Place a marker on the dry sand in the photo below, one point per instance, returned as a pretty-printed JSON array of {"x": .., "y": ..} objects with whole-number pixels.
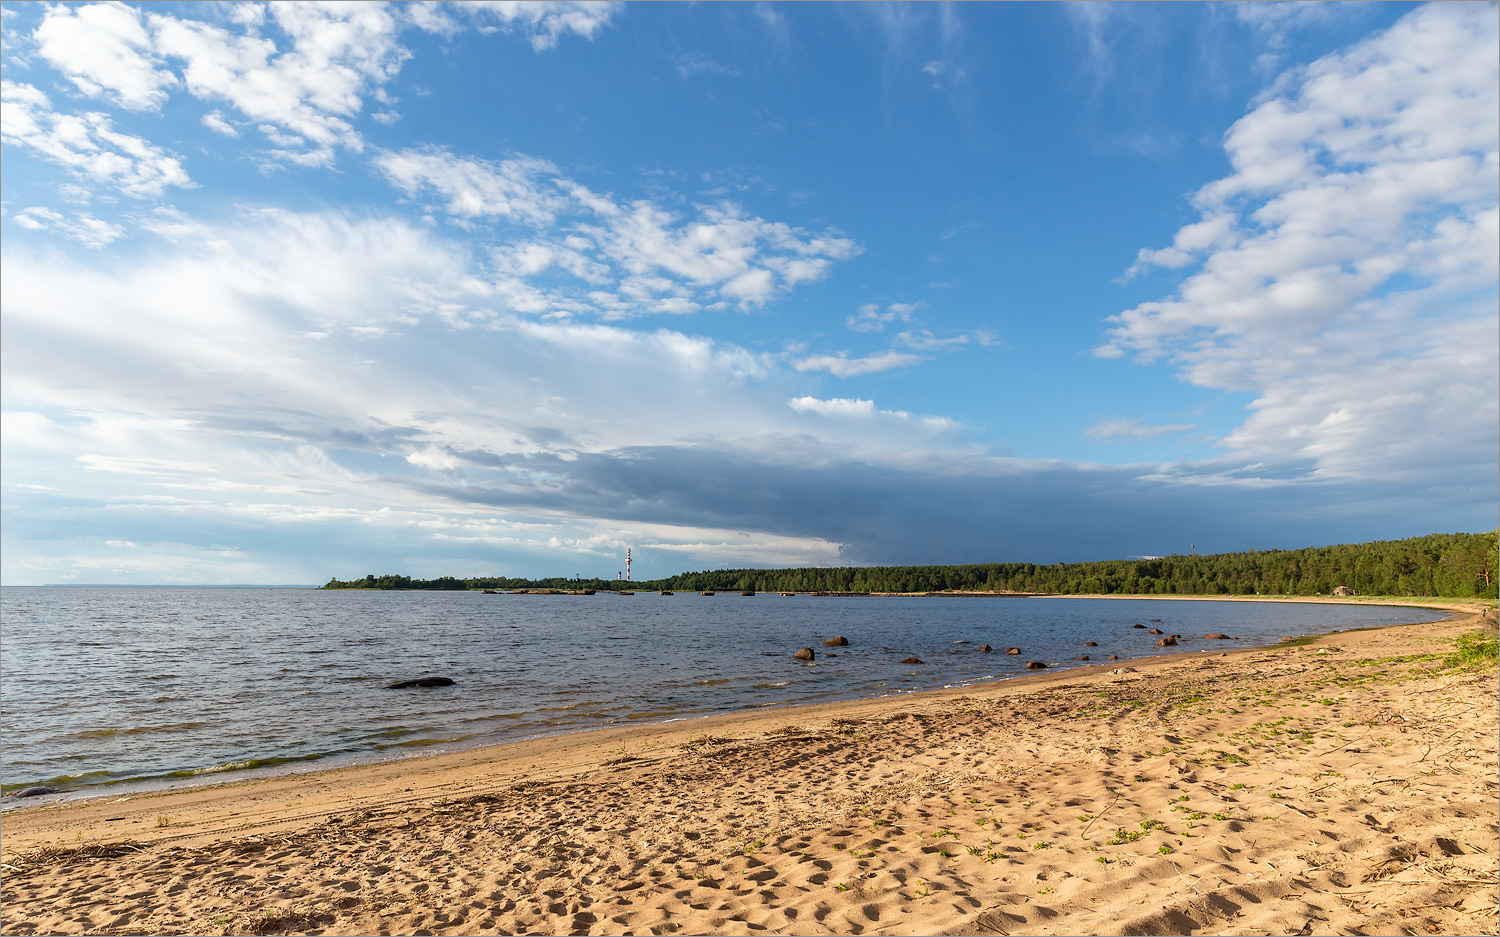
[{"x": 1344, "y": 786}]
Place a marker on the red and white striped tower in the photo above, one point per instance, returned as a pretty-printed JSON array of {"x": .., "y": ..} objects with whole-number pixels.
[{"x": 627, "y": 564}]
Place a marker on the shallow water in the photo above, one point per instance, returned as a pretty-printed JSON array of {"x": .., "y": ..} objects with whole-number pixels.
[{"x": 120, "y": 687}]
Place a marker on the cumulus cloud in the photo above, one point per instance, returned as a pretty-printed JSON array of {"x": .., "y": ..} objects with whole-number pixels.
[
  {"x": 105, "y": 49},
  {"x": 88, "y": 145},
  {"x": 871, "y": 318},
  {"x": 595, "y": 254},
  {"x": 543, "y": 21},
  {"x": 82, "y": 227},
  {"x": 517, "y": 189},
  {"x": 301, "y": 72},
  {"x": 1350, "y": 258}
]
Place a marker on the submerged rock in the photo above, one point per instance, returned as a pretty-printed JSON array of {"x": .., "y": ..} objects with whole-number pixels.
[
  {"x": 1012, "y": 650},
  {"x": 1035, "y": 665},
  {"x": 421, "y": 682},
  {"x": 1154, "y": 631},
  {"x": 39, "y": 790},
  {"x": 1220, "y": 637},
  {"x": 913, "y": 660},
  {"x": 1168, "y": 641},
  {"x": 1138, "y": 626},
  {"x": 805, "y": 653},
  {"x": 983, "y": 648},
  {"x": 1083, "y": 657},
  {"x": 839, "y": 641}
]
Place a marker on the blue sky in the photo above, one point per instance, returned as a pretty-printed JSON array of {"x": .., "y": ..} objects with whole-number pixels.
[{"x": 303, "y": 290}]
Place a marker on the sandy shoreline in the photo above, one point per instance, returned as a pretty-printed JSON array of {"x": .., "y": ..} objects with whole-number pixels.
[{"x": 1346, "y": 785}]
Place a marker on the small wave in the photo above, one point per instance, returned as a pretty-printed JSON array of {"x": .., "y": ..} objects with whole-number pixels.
[
  {"x": 246, "y": 765},
  {"x": 418, "y": 743},
  {"x": 771, "y": 686},
  {"x": 61, "y": 782}
]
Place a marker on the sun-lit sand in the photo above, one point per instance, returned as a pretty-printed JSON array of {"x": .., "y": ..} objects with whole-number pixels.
[{"x": 1347, "y": 785}]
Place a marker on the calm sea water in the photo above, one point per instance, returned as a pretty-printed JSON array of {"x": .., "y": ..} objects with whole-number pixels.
[{"x": 110, "y": 689}]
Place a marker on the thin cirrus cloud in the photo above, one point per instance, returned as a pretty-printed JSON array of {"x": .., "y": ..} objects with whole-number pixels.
[
  {"x": 1365, "y": 193},
  {"x": 1133, "y": 430}
]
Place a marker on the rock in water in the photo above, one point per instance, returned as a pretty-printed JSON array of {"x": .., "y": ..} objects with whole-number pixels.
[
  {"x": 805, "y": 653},
  {"x": 1012, "y": 650},
  {"x": 983, "y": 648},
  {"x": 1138, "y": 626},
  {"x": 1168, "y": 641},
  {"x": 421, "y": 681},
  {"x": 839, "y": 641},
  {"x": 1035, "y": 665},
  {"x": 1219, "y": 637},
  {"x": 1084, "y": 657},
  {"x": 913, "y": 660},
  {"x": 1154, "y": 631},
  {"x": 37, "y": 791},
  {"x": 1091, "y": 644}
]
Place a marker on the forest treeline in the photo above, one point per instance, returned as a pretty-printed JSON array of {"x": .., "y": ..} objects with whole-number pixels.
[{"x": 1460, "y": 565}]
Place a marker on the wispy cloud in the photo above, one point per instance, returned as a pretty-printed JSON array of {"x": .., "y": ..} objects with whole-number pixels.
[
  {"x": 1133, "y": 429},
  {"x": 841, "y": 365}
]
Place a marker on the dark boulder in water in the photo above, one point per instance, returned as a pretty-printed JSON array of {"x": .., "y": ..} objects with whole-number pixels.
[
  {"x": 1168, "y": 641},
  {"x": 805, "y": 653},
  {"x": 1219, "y": 637},
  {"x": 1154, "y": 631},
  {"x": 913, "y": 660},
  {"x": 1137, "y": 626},
  {"x": 1035, "y": 665},
  {"x": 1091, "y": 644},
  {"x": 839, "y": 641},
  {"x": 1012, "y": 650},
  {"x": 421, "y": 681},
  {"x": 983, "y": 648},
  {"x": 37, "y": 791}
]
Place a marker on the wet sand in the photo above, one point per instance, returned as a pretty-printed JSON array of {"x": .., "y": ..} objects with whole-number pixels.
[{"x": 1344, "y": 785}]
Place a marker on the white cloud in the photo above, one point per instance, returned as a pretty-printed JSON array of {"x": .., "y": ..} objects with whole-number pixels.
[
  {"x": 1133, "y": 429},
  {"x": 835, "y": 406},
  {"x": 926, "y": 340},
  {"x": 1348, "y": 265},
  {"x": 696, "y": 63},
  {"x": 546, "y": 22},
  {"x": 87, "y": 144},
  {"x": 214, "y": 120},
  {"x": 610, "y": 258},
  {"x": 82, "y": 227},
  {"x": 857, "y": 408},
  {"x": 308, "y": 92},
  {"x": 517, "y": 189},
  {"x": 841, "y": 365},
  {"x": 105, "y": 50},
  {"x": 871, "y": 319}
]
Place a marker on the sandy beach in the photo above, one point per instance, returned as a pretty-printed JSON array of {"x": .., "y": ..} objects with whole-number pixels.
[{"x": 1344, "y": 784}]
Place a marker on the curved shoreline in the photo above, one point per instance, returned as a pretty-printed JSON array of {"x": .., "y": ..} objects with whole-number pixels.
[
  {"x": 766, "y": 817},
  {"x": 151, "y": 788},
  {"x": 194, "y": 779}
]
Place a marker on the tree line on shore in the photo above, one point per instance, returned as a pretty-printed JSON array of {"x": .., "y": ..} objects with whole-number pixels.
[{"x": 1461, "y": 565}]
